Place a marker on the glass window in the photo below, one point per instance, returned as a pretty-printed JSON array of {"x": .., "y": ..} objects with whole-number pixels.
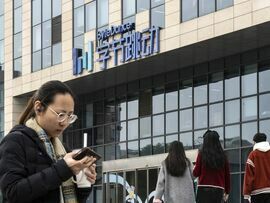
[
  {"x": 17, "y": 67},
  {"x": 56, "y": 30},
  {"x": 46, "y": 34},
  {"x": 185, "y": 94},
  {"x": 36, "y": 38},
  {"x": 1, "y": 27},
  {"x": 232, "y": 84},
  {"x": 186, "y": 120},
  {"x": 110, "y": 152},
  {"x": 249, "y": 108},
  {"x": 200, "y": 117},
  {"x": 264, "y": 78},
  {"x": 103, "y": 13},
  {"x": 172, "y": 122},
  {"x": 221, "y": 4},
  {"x": 133, "y": 149},
  {"x": 189, "y": 9},
  {"x": 128, "y": 8},
  {"x": 36, "y": 61},
  {"x": 155, "y": 3},
  {"x": 133, "y": 129},
  {"x": 158, "y": 16},
  {"x": 46, "y": 10},
  {"x": 170, "y": 139},
  {"x": 109, "y": 134},
  {"x": 158, "y": 102},
  {"x": 145, "y": 104},
  {"x": 248, "y": 131},
  {"x": 206, "y": 6},
  {"x": 79, "y": 42},
  {"x": 158, "y": 145},
  {"x": 133, "y": 109},
  {"x": 249, "y": 80},
  {"x": 2, "y": 7},
  {"x": 221, "y": 134},
  {"x": 17, "y": 3},
  {"x": 98, "y": 136},
  {"x": 216, "y": 88},
  {"x": 130, "y": 19},
  {"x": 265, "y": 128},
  {"x": 234, "y": 159},
  {"x": 142, "y": 5},
  {"x": 216, "y": 114},
  {"x": 264, "y": 106},
  {"x": 36, "y": 12},
  {"x": 122, "y": 106},
  {"x": 57, "y": 53},
  {"x": 17, "y": 51},
  {"x": 198, "y": 138},
  {"x": 145, "y": 127},
  {"x": 78, "y": 3},
  {"x": 46, "y": 57},
  {"x": 89, "y": 115},
  {"x": 57, "y": 7},
  {"x": 123, "y": 132},
  {"x": 200, "y": 91},
  {"x": 158, "y": 125},
  {"x": 1, "y": 51},
  {"x": 186, "y": 139},
  {"x": 121, "y": 150},
  {"x": 90, "y": 10},
  {"x": 18, "y": 20},
  {"x": 145, "y": 147},
  {"x": 171, "y": 98},
  {"x": 235, "y": 190},
  {"x": 78, "y": 21},
  {"x": 99, "y": 150},
  {"x": 232, "y": 111},
  {"x": 232, "y": 136}
]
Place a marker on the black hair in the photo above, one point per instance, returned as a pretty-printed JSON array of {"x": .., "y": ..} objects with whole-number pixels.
[
  {"x": 212, "y": 153},
  {"x": 176, "y": 161},
  {"x": 45, "y": 94},
  {"x": 259, "y": 137}
]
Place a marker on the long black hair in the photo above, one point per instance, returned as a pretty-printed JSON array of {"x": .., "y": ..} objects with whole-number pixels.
[
  {"x": 45, "y": 94},
  {"x": 212, "y": 153},
  {"x": 176, "y": 161}
]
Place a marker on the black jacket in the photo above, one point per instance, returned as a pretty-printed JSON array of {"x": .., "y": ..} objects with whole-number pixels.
[{"x": 27, "y": 173}]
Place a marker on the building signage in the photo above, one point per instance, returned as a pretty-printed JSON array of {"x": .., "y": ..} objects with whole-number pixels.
[{"x": 131, "y": 46}]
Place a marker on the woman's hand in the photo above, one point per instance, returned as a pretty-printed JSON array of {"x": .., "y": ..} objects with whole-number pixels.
[
  {"x": 91, "y": 173},
  {"x": 77, "y": 165}
]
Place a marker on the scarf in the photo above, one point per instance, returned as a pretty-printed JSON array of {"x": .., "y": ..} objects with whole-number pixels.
[{"x": 56, "y": 151}]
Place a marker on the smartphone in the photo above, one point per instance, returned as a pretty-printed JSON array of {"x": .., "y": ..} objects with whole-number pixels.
[{"x": 86, "y": 151}]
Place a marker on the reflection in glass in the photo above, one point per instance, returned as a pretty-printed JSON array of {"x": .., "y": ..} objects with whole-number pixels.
[
  {"x": 2, "y": 6},
  {"x": 216, "y": 87},
  {"x": 249, "y": 108},
  {"x": 232, "y": 136},
  {"x": 221, "y": 4},
  {"x": 185, "y": 120},
  {"x": 264, "y": 106},
  {"x": 232, "y": 84},
  {"x": 142, "y": 5},
  {"x": 232, "y": 111},
  {"x": 244, "y": 156},
  {"x": 189, "y": 9},
  {"x": 46, "y": 10},
  {"x": 170, "y": 139},
  {"x": 158, "y": 16},
  {"x": 158, "y": 145},
  {"x": 145, "y": 147},
  {"x": 235, "y": 184},
  {"x": 248, "y": 131},
  {"x": 100, "y": 150},
  {"x": 78, "y": 21},
  {"x": 185, "y": 94},
  {"x": 186, "y": 139},
  {"x": 122, "y": 106},
  {"x": 128, "y": 8},
  {"x": 1, "y": 27},
  {"x": 17, "y": 51},
  {"x": 171, "y": 122},
  {"x": 155, "y": 3},
  {"x": 216, "y": 114},
  {"x": 36, "y": 38},
  {"x": 145, "y": 127},
  {"x": 200, "y": 117},
  {"x": 57, "y": 7},
  {"x": 206, "y": 6},
  {"x": 77, "y": 3},
  {"x": 264, "y": 78},
  {"x": 57, "y": 53},
  {"x": 123, "y": 132},
  {"x": 200, "y": 91},
  {"x": 142, "y": 184},
  {"x": 265, "y": 128},
  {"x": 36, "y": 61},
  {"x": 79, "y": 42},
  {"x": 171, "y": 99},
  {"x": 221, "y": 135},
  {"x": 109, "y": 152},
  {"x": 90, "y": 15},
  {"x": 133, "y": 129},
  {"x": 109, "y": 134},
  {"x": 103, "y": 12},
  {"x": 133, "y": 149},
  {"x": 46, "y": 57},
  {"x": 98, "y": 136},
  {"x": 36, "y": 12},
  {"x": 198, "y": 138},
  {"x": 249, "y": 80},
  {"x": 158, "y": 102},
  {"x": 46, "y": 34},
  {"x": 17, "y": 20},
  {"x": 1, "y": 51},
  {"x": 158, "y": 125},
  {"x": 17, "y": 67},
  {"x": 121, "y": 151},
  {"x": 133, "y": 109},
  {"x": 234, "y": 159},
  {"x": 145, "y": 104}
]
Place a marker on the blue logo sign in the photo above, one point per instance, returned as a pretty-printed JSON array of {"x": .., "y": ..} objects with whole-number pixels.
[{"x": 82, "y": 60}]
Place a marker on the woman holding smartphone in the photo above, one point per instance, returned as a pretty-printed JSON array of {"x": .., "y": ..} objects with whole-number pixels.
[{"x": 34, "y": 165}]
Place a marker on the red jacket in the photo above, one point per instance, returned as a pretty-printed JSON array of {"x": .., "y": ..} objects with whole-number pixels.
[
  {"x": 257, "y": 174},
  {"x": 212, "y": 177}
]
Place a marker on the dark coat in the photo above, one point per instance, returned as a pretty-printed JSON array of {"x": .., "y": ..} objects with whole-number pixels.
[{"x": 27, "y": 173}]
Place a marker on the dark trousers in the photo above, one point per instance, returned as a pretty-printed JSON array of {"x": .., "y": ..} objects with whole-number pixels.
[
  {"x": 261, "y": 198},
  {"x": 209, "y": 195}
]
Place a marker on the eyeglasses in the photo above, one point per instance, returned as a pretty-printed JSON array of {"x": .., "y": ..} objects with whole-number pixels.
[{"x": 61, "y": 117}]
